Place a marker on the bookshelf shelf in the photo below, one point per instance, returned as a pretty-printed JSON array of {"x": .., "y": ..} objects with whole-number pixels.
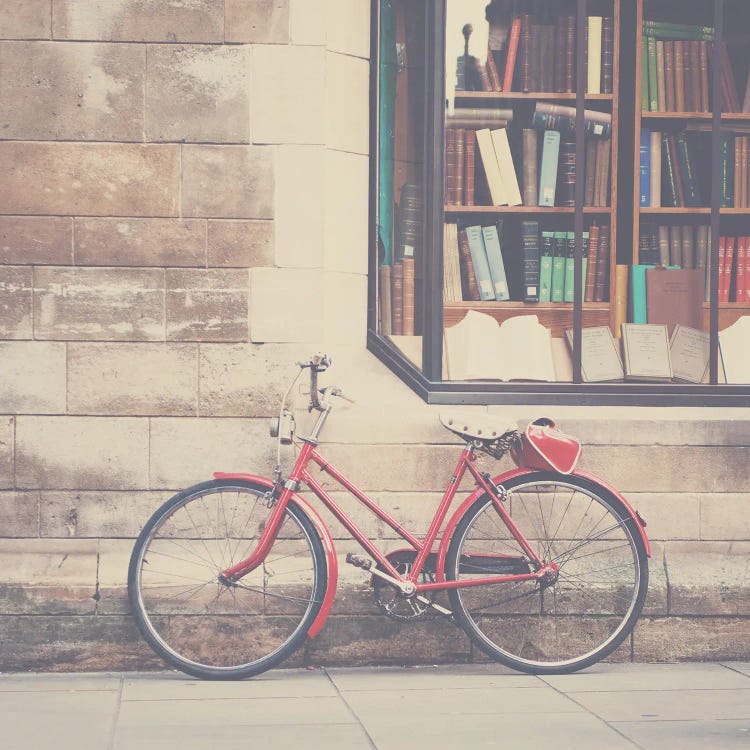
[
  {"x": 542, "y": 95},
  {"x": 541, "y": 210},
  {"x": 725, "y": 116}
]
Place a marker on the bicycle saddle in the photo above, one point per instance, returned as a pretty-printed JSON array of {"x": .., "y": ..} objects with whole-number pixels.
[{"x": 472, "y": 426}]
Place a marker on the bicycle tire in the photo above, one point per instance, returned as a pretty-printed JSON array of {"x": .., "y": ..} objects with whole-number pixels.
[
  {"x": 201, "y": 626},
  {"x": 593, "y": 604}
]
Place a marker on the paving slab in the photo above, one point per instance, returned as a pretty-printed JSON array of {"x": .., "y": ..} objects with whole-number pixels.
[
  {"x": 35, "y": 683},
  {"x": 687, "y": 735},
  {"x": 738, "y": 666}
]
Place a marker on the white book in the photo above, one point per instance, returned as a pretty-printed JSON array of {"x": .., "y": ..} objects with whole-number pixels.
[
  {"x": 507, "y": 168},
  {"x": 479, "y": 348},
  {"x": 594, "y": 67},
  {"x": 498, "y": 192}
]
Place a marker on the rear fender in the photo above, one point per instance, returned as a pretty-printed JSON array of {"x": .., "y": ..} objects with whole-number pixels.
[
  {"x": 325, "y": 537},
  {"x": 478, "y": 492}
]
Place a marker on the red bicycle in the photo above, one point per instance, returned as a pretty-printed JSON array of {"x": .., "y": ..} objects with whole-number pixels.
[{"x": 545, "y": 567}]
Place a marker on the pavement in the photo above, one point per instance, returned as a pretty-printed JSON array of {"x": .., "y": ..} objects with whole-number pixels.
[{"x": 607, "y": 707}]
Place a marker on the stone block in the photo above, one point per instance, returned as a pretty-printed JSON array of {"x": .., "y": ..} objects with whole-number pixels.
[
  {"x": 346, "y": 212},
  {"x": 308, "y": 25},
  {"x": 32, "y": 377},
  {"x": 301, "y": 198},
  {"x": 114, "y": 559},
  {"x": 100, "y": 514},
  {"x": 20, "y": 514},
  {"x": 257, "y": 21},
  {"x": 288, "y": 95},
  {"x": 15, "y": 302},
  {"x": 345, "y": 313},
  {"x": 708, "y": 578},
  {"x": 285, "y": 305},
  {"x": 25, "y": 19},
  {"x": 240, "y": 244},
  {"x": 724, "y": 516},
  {"x": 123, "y": 379},
  {"x": 7, "y": 452},
  {"x": 198, "y": 93},
  {"x": 348, "y": 27},
  {"x": 657, "y": 598},
  {"x": 691, "y": 639},
  {"x": 140, "y": 242},
  {"x": 89, "y": 179},
  {"x": 72, "y": 91},
  {"x": 207, "y": 305},
  {"x": 122, "y": 304},
  {"x": 348, "y": 103},
  {"x": 36, "y": 240},
  {"x": 82, "y": 453},
  {"x": 44, "y": 576},
  {"x": 669, "y": 515},
  {"x": 227, "y": 182},
  {"x": 244, "y": 379},
  {"x": 139, "y": 20},
  {"x": 186, "y": 451}
]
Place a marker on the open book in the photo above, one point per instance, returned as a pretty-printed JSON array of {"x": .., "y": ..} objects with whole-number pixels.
[{"x": 478, "y": 348}]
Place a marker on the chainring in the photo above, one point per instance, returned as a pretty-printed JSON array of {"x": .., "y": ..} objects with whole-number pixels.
[{"x": 391, "y": 601}]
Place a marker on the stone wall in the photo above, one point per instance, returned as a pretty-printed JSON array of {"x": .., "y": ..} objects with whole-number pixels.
[{"x": 183, "y": 213}]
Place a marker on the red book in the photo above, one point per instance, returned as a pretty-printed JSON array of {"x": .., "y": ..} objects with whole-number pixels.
[
  {"x": 470, "y": 147},
  {"x": 741, "y": 284},
  {"x": 729, "y": 265},
  {"x": 510, "y": 60},
  {"x": 722, "y": 266}
]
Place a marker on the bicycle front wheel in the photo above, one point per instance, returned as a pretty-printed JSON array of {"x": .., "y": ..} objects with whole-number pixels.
[
  {"x": 214, "y": 630},
  {"x": 578, "y": 616}
]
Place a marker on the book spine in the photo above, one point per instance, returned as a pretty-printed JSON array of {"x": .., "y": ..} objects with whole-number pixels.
[
  {"x": 589, "y": 115},
  {"x": 690, "y": 91},
  {"x": 385, "y": 300},
  {"x": 548, "y": 58},
  {"x": 567, "y": 173},
  {"x": 644, "y": 76},
  {"x": 645, "y": 169},
  {"x": 679, "y": 77},
  {"x": 560, "y": 246},
  {"x": 669, "y": 177},
  {"x": 669, "y": 91},
  {"x": 688, "y": 246},
  {"x": 397, "y": 299},
  {"x": 602, "y": 172},
  {"x": 663, "y": 242},
  {"x": 703, "y": 56},
  {"x": 653, "y": 79},
  {"x": 495, "y": 182},
  {"x": 470, "y": 147},
  {"x": 545, "y": 267},
  {"x": 677, "y": 30},
  {"x": 608, "y": 54},
  {"x": 531, "y": 261},
  {"x": 560, "y": 53},
  {"x": 525, "y": 53},
  {"x": 678, "y": 176},
  {"x": 569, "y": 279},
  {"x": 450, "y": 166},
  {"x": 468, "y": 276},
  {"x": 726, "y": 170},
  {"x": 655, "y": 174},
  {"x": 548, "y": 171},
  {"x": 495, "y": 82},
  {"x": 451, "y": 267},
  {"x": 741, "y": 285},
  {"x": 602, "y": 265},
  {"x": 458, "y": 190},
  {"x": 638, "y": 313},
  {"x": 621, "y": 297},
  {"x": 722, "y": 267},
  {"x": 661, "y": 89},
  {"x": 483, "y": 75},
  {"x": 491, "y": 238},
  {"x": 590, "y": 175},
  {"x": 594, "y": 69},
  {"x": 408, "y": 303},
  {"x": 530, "y": 180},
  {"x": 481, "y": 264},
  {"x": 506, "y": 166},
  {"x": 510, "y": 59},
  {"x": 687, "y": 171},
  {"x": 570, "y": 54},
  {"x": 588, "y": 292},
  {"x": 675, "y": 245},
  {"x": 534, "y": 56},
  {"x": 696, "y": 75}
]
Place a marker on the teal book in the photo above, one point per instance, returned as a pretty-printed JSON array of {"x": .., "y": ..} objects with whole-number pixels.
[
  {"x": 568, "y": 284},
  {"x": 726, "y": 170},
  {"x": 545, "y": 267},
  {"x": 531, "y": 273},
  {"x": 560, "y": 246},
  {"x": 491, "y": 238},
  {"x": 548, "y": 171},
  {"x": 480, "y": 263}
]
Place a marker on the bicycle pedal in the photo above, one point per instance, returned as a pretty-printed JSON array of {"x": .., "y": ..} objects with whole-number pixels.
[{"x": 359, "y": 562}]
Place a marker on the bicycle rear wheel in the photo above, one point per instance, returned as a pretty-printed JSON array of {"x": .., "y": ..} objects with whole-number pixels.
[
  {"x": 202, "y": 626},
  {"x": 590, "y": 607}
]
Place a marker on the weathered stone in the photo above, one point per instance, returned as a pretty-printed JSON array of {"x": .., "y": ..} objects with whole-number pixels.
[
  {"x": 15, "y": 302},
  {"x": 685, "y": 639},
  {"x": 348, "y": 103},
  {"x": 708, "y": 578},
  {"x": 32, "y": 377},
  {"x": 257, "y": 21},
  {"x": 657, "y": 598},
  {"x": 91, "y": 303},
  {"x": 82, "y": 453},
  {"x": 7, "y": 440},
  {"x": 227, "y": 182},
  {"x": 240, "y": 244},
  {"x": 673, "y": 515},
  {"x": 89, "y": 179},
  {"x": 99, "y": 514},
  {"x": 307, "y": 23},
  {"x": 185, "y": 451},
  {"x": 20, "y": 514},
  {"x": 285, "y": 305},
  {"x": 25, "y": 19},
  {"x": 724, "y": 516},
  {"x": 288, "y": 94},
  {"x": 207, "y": 305},
  {"x": 348, "y": 27},
  {"x": 114, "y": 559},
  {"x": 198, "y": 94},
  {"x": 243, "y": 379},
  {"x": 72, "y": 92},
  {"x": 37, "y": 240},
  {"x": 123, "y": 379},
  {"x": 345, "y": 311},
  {"x": 139, "y": 20},
  {"x": 140, "y": 242}
]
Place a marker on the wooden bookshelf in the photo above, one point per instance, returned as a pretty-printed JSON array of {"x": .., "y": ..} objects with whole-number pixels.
[{"x": 697, "y": 121}]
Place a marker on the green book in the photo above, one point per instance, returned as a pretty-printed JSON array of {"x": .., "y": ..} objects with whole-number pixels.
[
  {"x": 668, "y": 30},
  {"x": 569, "y": 278},
  {"x": 560, "y": 246},
  {"x": 653, "y": 89},
  {"x": 545, "y": 267},
  {"x": 491, "y": 238},
  {"x": 644, "y": 77},
  {"x": 726, "y": 170}
]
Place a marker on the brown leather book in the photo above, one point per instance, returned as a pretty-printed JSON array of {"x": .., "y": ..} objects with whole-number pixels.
[
  {"x": 601, "y": 283},
  {"x": 590, "y": 172},
  {"x": 483, "y": 75},
  {"x": 470, "y": 150},
  {"x": 549, "y": 62},
  {"x": 703, "y": 56},
  {"x": 669, "y": 99},
  {"x": 526, "y": 53},
  {"x": 694, "y": 53},
  {"x": 460, "y": 150},
  {"x": 567, "y": 173},
  {"x": 604, "y": 148},
  {"x": 588, "y": 290},
  {"x": 679, "y": 77},
  {"x": 530, "y": 177},
  {"x": 608, "y": 54},
  {"x": 492, "y": 72},
  {"x": 468, "y": 277},
  {"x": 561, "y": 37},
  {"x": 385, "y": 300},
  {"x": 661, "y": 98},
  {"x": 450, "y": 166},
  {"x": 690, "y": 84},
  {"x": 570, "y": 55},
  {"x": 408, "y": 297},
  {"x": 397, "y": 299},
  {"x": 675, "y": 296}
]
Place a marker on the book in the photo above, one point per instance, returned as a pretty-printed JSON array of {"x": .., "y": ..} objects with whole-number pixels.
[
  {"x": 480, "y": 262},
  {"x": 670, "y": 194},
  {"x": 478, "y": 348},
  {"x": 458, "y": 188},
  {"x": 450, "y": 166},
  {"x": 408, "y": 297},
  {"x": 510, "y": 60},
  {"x": 530, "y": 179},
  {"x": 507, "y": 168},
  {"x": 525, "y": 53},
  {"x": 669, "y": 93},
  {"x": 675, "y": 245},
  {"x": 569, "y": 273},
  {"x": 560, "y": 117},
  {"x": 601, "y": 178},
  {"x": 734, "y": 352},
  {"x": 600, "y": 356},
  {"x": 386, "y": 304},
  {"x": 560, "y": 248},
  {"x": 688, "y": 178},
  {"x": 742, "y": 270},
  {"x": 451, "y": 265},
  {"x": 689, "y": 351},
  {"x": 645, "y": 168},
  {"x": 646, "y": 352},
  {"x": 601, "y": 280},
  {"x": 663, "y": 245},
  {"x": 570, "y": 54},
  {"x": 468, "y": 276},
  {"x": 545, "y": 267},
  {"x": 679, "y": 76},
  {"x": 688, "y": 247},
  {"x": 548, "y": 170},
  {"x": 492, "y": 72},
  {"x": 397, "y": 299},
  {"x": 674, "y": 296},
  {"x": 644, "y": 78},
  {"x": 655, "y": 169},
  {"x": 661, "y": 87},
  {"x": 590, "y": 172},
  {"x": 470, "y": 147},
  {"x": 566, "y": 191},
  {"x": 593, "y": 254},
  {"x": 608, "y": 51},
  {"x": 653, "y": 95},
  {"x": 531, "y": 260},
  {"x": 495, "y": 182},
  {"x": 491, "y": 237},
  {"x": 668, "y": 29},
  {"x": 594, "y": 69},
  {"x": 621, "y": 296}
]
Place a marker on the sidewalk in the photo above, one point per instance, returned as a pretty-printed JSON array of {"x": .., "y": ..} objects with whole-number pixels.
[{"x": 608, "y": 707}]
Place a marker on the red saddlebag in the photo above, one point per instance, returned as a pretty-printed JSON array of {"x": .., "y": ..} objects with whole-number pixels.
[{"x": 543, "y": 446}]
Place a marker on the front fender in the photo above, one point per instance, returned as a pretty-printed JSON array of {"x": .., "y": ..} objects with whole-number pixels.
[
  {"x": 479, "y": 491},
  {"x": 325, "y": 536}
]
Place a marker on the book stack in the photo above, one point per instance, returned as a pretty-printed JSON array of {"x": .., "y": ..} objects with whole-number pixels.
[
  {"x": 679, "y": 245},
  {"x": 734, "y": 277},
  {"x": 675, "y": 67},
  {"x": 409, "y": 233}
]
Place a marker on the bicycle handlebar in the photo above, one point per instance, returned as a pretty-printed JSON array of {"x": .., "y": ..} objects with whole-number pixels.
[{"x": 320, "y": 363}]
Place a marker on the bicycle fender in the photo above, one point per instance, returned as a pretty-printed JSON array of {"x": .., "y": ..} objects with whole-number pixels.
[
  {"x": 325, "y": 536},
  {"x": 478, "y": 492}
]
